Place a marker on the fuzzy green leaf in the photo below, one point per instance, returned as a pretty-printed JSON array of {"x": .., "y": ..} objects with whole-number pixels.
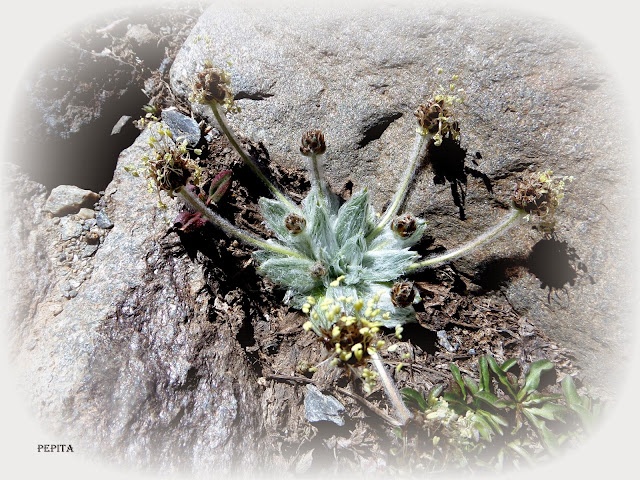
[
  {"x": 319, "y": 227},
  {"x": 386, "y": 265},
  {"x": 350, "y": 254},
  {"x": 290, "y": 272},
  {"x": 274, "y": 213},
  {"x": 353, "y": 217}
]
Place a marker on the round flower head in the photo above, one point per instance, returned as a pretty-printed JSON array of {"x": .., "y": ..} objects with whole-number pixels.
[
  {"x": 212, "y": 86},
  {"x": 402, "y": 294},
  {"x": 404, "y": 225},
  {"x": 539, "y": 193},
  {"x": 313, "y": 142},
  {"x": 295, "y": 223},
  {"x": 169, "y": 167},
  {"x": 318, "y": 270}
]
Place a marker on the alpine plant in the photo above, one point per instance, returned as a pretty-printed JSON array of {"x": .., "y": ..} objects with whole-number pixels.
[{"x": 340, "y": 263}]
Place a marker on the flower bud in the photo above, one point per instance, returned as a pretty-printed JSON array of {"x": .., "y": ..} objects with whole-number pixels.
[
  {"x": 402, "y": 294},
  {"x": 313, "y": 142},
  {"x": 295, "y": 223},
  {"x": 318, "y": 270},
  {"x": 404, "y": 225}
]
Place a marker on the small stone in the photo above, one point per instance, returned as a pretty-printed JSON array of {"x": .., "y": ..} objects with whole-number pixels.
[
  {"x": 90, "y": 250},
  {"x": 87, "y": 224},
  {"x": 443, "y": 340},
  {"x": 73, "y": 294},
  {"x": 182, "y": 126},
  {"x": 141, "y": 34},
  {"x": 69, "y": 228},
  {"x": 319, "y": 407},
  {"x": 92, "y": 238},
  {"x": 55, "y": 309},
  {"x": 67, "y": 199},
  {"x": 102, "y": 220},
  {"x": 86, "y": 213}
]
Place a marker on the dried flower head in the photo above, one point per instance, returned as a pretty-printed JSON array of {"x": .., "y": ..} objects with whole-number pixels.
[
  {"x": 352, "y": 332},
  {"x": 539, "y": 193},
  {"x": 404, "y": 225},
  {"x": 435, "y": 117},
  {"x": 313, "y": 142},
  {"x": 212, "y": 86},
  {"x": 169, "y": 167},
  {"x": 402, "y": 294},
  {"x": 295, "y": 223},
  {"x": 318, "y": 270}
]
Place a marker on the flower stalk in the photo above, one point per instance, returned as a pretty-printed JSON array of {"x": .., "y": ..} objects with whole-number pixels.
[
  {"x": 491, "y": 234},
  {"x": 246, "y": 157},
  {"x": 419, "y": 151},
  {"x": 191, "y": 199},
  {"x": 391, "y": 390}
]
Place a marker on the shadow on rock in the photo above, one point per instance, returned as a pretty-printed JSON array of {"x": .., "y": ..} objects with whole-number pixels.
[
  {"x": 556, "y": 265},
  {"x": 448, "y": 163}
]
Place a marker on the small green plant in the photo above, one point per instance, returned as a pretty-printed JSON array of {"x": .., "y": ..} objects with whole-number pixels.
[
  {"x": 341, "y": 264},
  {"x": 497, "y": 401}
]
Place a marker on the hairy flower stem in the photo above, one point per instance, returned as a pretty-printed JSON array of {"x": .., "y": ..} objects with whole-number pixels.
[
  {"x": 419, "y": 150},
  {"x": 392, "y": 391},
  {"x": 486, "y": 237},
  {"x": 198, "y": 205},
  {"x": 316, "y": 176},
  {"x": 246, "y": 158}
]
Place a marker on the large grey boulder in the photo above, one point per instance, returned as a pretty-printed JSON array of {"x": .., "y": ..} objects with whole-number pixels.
[{"x": 537, "y": 98}]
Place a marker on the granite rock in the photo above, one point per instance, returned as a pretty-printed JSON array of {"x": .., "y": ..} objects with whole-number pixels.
[{"x": 532, "y": 93}]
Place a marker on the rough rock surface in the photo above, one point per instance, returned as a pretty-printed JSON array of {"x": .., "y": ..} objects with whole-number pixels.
[
  {"x": 130, "y": 363},
  {"x": 532, "y": 93}
]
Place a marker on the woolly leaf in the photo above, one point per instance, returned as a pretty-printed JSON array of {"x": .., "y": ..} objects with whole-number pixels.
[
  {"x": 289, "y": 271},
  {"x": 352, "y": 217},
  {"x": 319, "y": 228},
  {"x": 350, "y": 254},
  {"x": 274, "y": 213},
  {"x": 386, "y": 265}
]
